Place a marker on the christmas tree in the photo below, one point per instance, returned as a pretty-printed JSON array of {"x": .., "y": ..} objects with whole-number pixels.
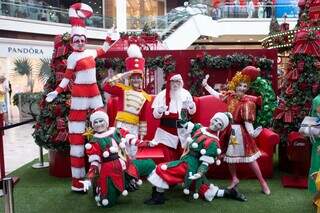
[
  {"x": 301, "y": 82},
  {"x": 50, "y": 130}
]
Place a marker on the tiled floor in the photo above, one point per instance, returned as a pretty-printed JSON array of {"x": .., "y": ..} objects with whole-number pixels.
[{"x": 19, "y": 145}]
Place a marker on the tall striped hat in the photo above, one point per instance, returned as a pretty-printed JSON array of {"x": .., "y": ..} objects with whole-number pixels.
[{"x": 78, "y": 12}]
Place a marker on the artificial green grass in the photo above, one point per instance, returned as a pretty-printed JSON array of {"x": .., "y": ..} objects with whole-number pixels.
[{"x": 38, "y": 192}]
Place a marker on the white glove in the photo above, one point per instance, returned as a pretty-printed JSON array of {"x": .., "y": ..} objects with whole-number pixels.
[
  {"x": 205, "y": 81},
  {"x": 153, "y": 143},
  {"x": 191, "y": 105},
  {"x": 51, "y": 96},
  {"x": 86, "y": 184},
  {"x": 162, "y": 109},
  {"x": 257, "y": 132},
  {"x": 195, "y": 176},
  {"x": 188, "y": 104},
  {"x": 132, "y": 151},
  {"x": 315, "y": 131}
]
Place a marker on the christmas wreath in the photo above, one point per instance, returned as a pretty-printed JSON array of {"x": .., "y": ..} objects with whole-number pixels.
[
  {"x": 205, "y": 63},
  {"x": 269, "y": 102}
]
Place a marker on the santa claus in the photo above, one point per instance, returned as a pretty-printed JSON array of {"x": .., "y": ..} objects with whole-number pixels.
[{"x": 167, "y": 107}]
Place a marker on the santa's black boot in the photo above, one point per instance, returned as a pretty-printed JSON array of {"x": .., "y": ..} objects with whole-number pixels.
[
  {"x": 157, "y": 198},
  {"x": 234, "y": 194}
]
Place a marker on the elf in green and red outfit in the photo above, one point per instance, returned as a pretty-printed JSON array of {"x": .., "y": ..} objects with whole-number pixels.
[
  {"x": 202, "y": 151},
  {"x": 112, "y": 170}
]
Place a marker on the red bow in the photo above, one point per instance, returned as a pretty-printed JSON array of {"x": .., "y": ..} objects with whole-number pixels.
[
  {"x": 285, "y": 113},
  {"x": 293, "y": 74},
  {"x": 307, "y": 42}
]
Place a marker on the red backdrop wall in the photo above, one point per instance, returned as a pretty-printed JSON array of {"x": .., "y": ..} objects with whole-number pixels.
[{"x": 183, "y": 61}]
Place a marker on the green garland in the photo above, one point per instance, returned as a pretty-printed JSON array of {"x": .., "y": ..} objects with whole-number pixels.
[
  {"x": 207, "y": 63},
  {"x": 269, "y": 102},
  {"x": 166, "y": 63}
]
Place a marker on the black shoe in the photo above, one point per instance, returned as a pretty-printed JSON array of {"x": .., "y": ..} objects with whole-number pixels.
[
  {"x": 157, "y": 198},
  {"x": 132, "y": 186},
  {"x": 234, "y": 194}
]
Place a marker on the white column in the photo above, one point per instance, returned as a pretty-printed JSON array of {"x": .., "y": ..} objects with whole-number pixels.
[{"x": 121, "y": 10}]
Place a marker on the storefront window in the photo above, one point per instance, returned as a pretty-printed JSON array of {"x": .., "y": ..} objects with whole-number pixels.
[
  {"x": 109, "y": 13},
  {"x": 141, "y": 12}
]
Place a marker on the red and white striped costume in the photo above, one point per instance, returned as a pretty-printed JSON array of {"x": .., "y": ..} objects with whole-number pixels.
[{"x": 85, "y": 94}]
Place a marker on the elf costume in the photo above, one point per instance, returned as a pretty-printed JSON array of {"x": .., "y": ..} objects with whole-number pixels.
[
  {"x": 85, "y": 95},
  {"x": 111, "y": 171},
  {"x": 190, "y": 170}
]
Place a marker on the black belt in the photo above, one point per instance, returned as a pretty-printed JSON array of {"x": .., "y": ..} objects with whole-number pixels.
[
  {"x": 173, "y": 123},
  {"x": 110, "y": 158}
]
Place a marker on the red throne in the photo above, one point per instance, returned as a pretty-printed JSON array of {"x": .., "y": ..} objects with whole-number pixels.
[{"x": 207, "y": 106}]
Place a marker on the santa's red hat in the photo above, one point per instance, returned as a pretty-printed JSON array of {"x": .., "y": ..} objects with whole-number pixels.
[
  {"x": 78, "y": 12},
  {"x": 135, "y": 61},
  {"x": 171, "y": 77}
]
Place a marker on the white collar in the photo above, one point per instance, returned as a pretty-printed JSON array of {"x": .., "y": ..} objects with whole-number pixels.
[
  {"x": 205, "y": 132},
  {"x": 105, "y": 134}
]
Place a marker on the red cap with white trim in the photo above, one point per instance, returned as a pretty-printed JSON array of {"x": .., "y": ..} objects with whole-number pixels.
[{"x": 135, "y": 61}]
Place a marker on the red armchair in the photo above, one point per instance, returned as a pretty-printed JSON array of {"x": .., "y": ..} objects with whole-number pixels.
[{"x": 207, "y": 106}]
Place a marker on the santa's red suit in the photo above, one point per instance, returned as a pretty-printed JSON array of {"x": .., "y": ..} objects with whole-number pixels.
[
  {"x": 85, "y": 93},
  {"x": 169, "y": 133}
]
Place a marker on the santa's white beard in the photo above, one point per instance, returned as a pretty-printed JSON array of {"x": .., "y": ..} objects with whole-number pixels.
[{"x": 175, "y": 95}]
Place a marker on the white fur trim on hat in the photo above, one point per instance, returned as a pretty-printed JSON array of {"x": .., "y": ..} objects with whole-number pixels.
[
  {"x": 134, "y": 51},
  {"x": 176, "y": 77},
  {"x": 99, "y": 114},
  {"x": 78, "y": 30},
  {"x": 223, "y": 117}
]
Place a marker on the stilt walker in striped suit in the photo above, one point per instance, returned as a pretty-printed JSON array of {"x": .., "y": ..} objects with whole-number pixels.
[{"x": 85, "y": 94}]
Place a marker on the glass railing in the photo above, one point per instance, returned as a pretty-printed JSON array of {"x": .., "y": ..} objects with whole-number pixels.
[
  {"x": 264, "y": 11},
  {"x": 48, "y": 13},
  {"x": 178, "y": 15},
  {"x": 155, "y": 22},
  {"x": 158, "y": 23}
]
